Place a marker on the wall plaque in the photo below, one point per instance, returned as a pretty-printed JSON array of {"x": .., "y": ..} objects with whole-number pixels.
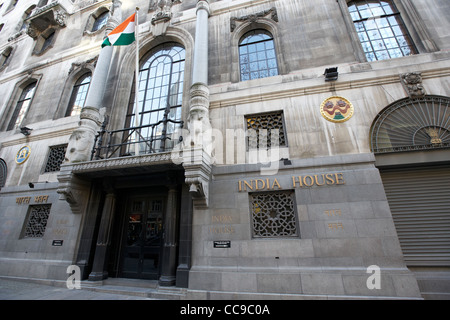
[
  {"x": 222, "y": 244},
  {"x": 57, "y": 243},
  {"x": 336, "y": 109}
]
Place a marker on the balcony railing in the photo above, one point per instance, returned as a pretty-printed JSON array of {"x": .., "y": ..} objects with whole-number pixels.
[{"x": 133, "y": 141}]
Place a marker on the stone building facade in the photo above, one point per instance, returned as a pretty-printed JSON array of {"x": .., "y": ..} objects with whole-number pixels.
[{"x": 281, "y": 148}]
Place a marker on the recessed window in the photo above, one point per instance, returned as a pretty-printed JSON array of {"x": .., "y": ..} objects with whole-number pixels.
[
  {"x": 22, "y": 106},
  {"x": 100, "y": 21},
  {"x": 3, "y": 173},
  {"x": 5, "y": 56},
  {"x": 257, "y": 57},
  {"x": 380, "y": 29},
  {"x": 36, "y": 221},
  {"x": 265, "y": 131},
  {"x": 55, "y": 158},
  {"x": 273, "y": 215},
  {"x": 79, "y": 95}
]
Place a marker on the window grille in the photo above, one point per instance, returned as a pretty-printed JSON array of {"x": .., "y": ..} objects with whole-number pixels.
[
  {"x": 273, "y": 215},
  {"x": 55, "y": 158},
  {"x": 37, "y": 221},
  {"x": 263, "y": 130},
  {"x": 412, "y": 125},
  {"x": 381, "y": 30}
]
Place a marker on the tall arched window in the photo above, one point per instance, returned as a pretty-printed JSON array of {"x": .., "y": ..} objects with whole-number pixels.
[
  {"x": 257, "y": 56},
  {"x": 380, "y": 29},
  {"x": 79, "y": 94},
  {"x": 100, "y": 21},
  {"x": 22, "y": 106},
  {"x": 160, "y": 96}
]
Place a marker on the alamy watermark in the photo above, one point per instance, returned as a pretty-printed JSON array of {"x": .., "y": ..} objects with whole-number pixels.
[
  {"x": 74, "y": 279},
  {"x": 374, "y": 281}
]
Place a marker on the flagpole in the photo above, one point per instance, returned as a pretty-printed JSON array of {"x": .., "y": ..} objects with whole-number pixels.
[{"x": 136, "y": 93}]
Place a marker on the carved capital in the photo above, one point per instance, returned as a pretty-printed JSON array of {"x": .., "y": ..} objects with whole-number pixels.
[
  {"x": 197, "y": 167},
  {"x": 72, "y": 190}
]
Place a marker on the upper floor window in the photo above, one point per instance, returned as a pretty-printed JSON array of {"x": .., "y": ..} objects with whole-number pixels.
[
  {"x": 100, "y": 21},
  {"x": 79, "y": 94},
  {"x": 22, "y": 106},
  {"x": 380, "y": 29},
  {"x": 257, "y": 56},
  {"x": 160, "y": 96}
]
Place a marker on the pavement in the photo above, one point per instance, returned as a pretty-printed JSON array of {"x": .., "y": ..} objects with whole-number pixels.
[{"x": 25, "y": 290}]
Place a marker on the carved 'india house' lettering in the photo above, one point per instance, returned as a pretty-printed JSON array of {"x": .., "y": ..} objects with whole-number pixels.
[{"x": 324, "y": 179}]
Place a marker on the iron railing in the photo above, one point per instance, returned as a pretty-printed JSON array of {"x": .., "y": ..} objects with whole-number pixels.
[{"x": 133, "y": 141}]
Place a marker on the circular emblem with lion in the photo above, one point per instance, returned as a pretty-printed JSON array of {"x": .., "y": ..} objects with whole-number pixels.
[{"x": 336, "y": 109}]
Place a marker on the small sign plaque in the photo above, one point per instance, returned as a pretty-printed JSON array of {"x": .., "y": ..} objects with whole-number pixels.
[
  {"x": 57, "y": 243},
  {"x": 222, "y": 244}
]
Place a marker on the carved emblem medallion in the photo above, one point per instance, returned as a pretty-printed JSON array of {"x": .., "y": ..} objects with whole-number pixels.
[
  {"x": 336, "y": 109},
  {"x": 23, "y": 154}
]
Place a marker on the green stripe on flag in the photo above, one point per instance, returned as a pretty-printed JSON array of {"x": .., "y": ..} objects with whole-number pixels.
[
  {"x": 106, "y": 43},
  {"x": 125, "y": 39}
]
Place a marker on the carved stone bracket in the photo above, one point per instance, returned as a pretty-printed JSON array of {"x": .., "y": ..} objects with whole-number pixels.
[
  {"x": 51, "y": 15},
  {"x": 254, "y": 17},
  {"x": 412, "y": 82},
  {"x": 161, "y": 19},
  {"x": 72, "y": 189},
  {"x": 197, "y": 165}
]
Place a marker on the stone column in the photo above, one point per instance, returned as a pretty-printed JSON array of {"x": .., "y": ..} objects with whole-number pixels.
[
  {"x": 99, "y": 268},
  {"x": 200, "y": 67},
  {"x": 82, "y": 139},
  {"x": 169, "y": 252},
  {"x": 197, "y": 152}
]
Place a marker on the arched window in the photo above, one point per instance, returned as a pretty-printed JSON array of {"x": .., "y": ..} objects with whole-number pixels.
[
  {"x": 100, "y": 21},
  {"x": 79, "y": 94},
  {"x": 22, "y": 106},
  {"x": 3, "y": 173},
  {"x": 160, "y": 96},
  {"x": 412, "y": 124},
  {"x": 257, "y": 56},
  {"x": 380, "y": 29}
]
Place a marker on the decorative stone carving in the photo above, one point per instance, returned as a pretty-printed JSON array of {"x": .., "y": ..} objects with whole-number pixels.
[
  {"x": 72, "y": 189},
  {"x": 161, "y": 19},
  {"x": 82, "y": 139},
  {"x": 254, "y": 17},
  {"x": 412, "y": 82},
  {"x": 51, "y": 15}
]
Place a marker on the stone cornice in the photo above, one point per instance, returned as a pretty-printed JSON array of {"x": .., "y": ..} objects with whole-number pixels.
[{"x": 286, "y": 86}]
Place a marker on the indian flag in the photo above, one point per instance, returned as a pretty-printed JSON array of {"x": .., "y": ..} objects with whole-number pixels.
[{"x": 123, "y": 35}]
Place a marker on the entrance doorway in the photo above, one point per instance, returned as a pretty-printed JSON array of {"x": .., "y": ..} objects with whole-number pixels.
[{"x": 142, "y": 244}]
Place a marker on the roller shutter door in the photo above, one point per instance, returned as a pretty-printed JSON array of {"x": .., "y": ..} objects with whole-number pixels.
[{"x": 419, "y": 199}]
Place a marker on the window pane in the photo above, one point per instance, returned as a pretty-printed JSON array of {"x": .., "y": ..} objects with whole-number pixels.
[
  {"x": 380, "y": 27},
  {"x": 257, "y": 55}
]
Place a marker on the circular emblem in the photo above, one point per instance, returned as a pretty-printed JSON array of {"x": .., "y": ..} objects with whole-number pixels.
[
  {"x": 336, "y": 109},
  {"x": 23, "y": 154}
]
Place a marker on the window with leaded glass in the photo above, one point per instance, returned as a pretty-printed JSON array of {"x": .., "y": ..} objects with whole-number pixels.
[
  {"x": 79, "y": 94},
  {"x": 265, "y": 130},
  {"x": 273, "y": 214},
  {"x": 380, "y": 29},
  {"x": 22, "y": 106},
  {"x": 257, "y": 57},
  {"x": 36, "y": 221},
  {"x": 160, "y": 96},
  {"x": 55, "y": 158}
]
